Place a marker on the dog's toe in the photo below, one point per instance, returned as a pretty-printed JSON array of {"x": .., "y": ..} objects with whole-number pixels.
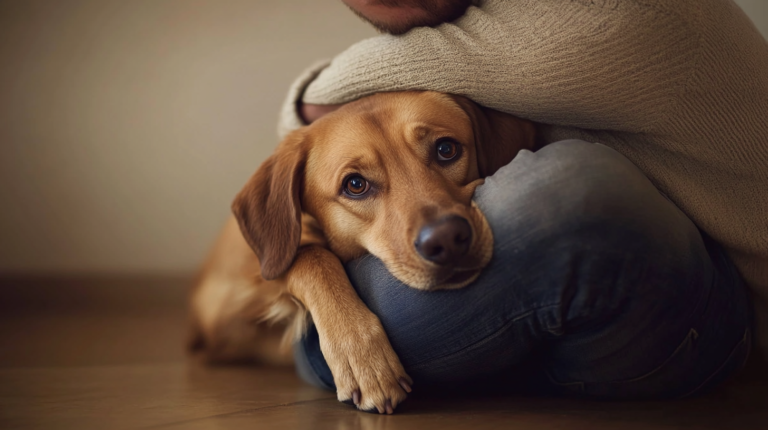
[{"x": 353, "y": 400}]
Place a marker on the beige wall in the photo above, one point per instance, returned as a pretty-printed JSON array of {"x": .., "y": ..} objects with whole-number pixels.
[{"x": 126, "y": 127}]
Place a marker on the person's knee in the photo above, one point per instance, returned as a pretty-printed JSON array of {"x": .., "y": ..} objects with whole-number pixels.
[
  {"x": 576, "y": 187},
  {"x": 596, "y": 222}
]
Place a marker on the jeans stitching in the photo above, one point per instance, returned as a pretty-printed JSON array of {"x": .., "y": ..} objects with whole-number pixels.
[
  {"x": 580, "y": 384},
  {"x": 744, "y": 340},
  {"x": 690, "y": 337},
  {"x": 484, "y": 340}
]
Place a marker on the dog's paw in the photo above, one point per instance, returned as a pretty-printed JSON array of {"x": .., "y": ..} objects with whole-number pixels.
[{"x": 365, "y": 368}]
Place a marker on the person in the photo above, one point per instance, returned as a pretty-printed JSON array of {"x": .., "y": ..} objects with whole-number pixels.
[{"x": 625, "y": 247}]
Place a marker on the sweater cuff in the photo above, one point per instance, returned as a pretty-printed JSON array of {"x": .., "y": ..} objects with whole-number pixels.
[{"x": 289, "y": 116}]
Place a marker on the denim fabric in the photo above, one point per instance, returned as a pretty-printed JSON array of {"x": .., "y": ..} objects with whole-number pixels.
[{"x": 599, "y": 286}]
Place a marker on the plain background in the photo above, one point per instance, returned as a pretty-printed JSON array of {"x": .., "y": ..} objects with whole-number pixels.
[{"x": 127, "y": 126}]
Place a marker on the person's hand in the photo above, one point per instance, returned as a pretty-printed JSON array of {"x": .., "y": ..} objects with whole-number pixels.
[{"x": 310, "y": 113}]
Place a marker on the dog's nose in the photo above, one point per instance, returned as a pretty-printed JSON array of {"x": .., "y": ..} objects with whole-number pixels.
[{"x": 445, "y": 241}]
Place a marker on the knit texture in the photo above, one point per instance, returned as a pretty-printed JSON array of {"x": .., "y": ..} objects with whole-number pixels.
[
  {"x": 289, "y": 119},
  {"x": 680, "y": 87}
]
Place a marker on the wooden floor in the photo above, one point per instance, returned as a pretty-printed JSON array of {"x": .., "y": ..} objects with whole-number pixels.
[{"x": 106, "y": 354}]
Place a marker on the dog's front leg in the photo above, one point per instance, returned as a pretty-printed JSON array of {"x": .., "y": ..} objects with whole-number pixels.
[{"x": 365, "y": 368}]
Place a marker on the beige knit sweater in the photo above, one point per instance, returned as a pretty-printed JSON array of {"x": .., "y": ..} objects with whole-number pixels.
[{"x": 680, "y": 87}]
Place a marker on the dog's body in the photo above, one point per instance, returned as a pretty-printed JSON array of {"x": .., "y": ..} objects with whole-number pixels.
[{"x": 332, "y": 192}]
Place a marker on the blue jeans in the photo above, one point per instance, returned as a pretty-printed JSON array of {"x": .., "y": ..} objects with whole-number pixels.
[{"x": 599, "y": 286}]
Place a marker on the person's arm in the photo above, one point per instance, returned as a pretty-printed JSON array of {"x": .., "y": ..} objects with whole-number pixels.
[
  {"x": 610, "y": 64},
  {"x": 290, "y": 116},
  {"x": 295, "y": 113},
  {"x": 310, "y": 113}
]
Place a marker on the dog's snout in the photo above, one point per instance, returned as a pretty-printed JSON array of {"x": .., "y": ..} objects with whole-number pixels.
[{"x": 445, "y": 241}]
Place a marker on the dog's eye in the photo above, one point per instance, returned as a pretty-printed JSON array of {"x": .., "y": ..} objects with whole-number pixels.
[
  {"x": 447, "y": 149},
  {"x": 356, "y": 186}
]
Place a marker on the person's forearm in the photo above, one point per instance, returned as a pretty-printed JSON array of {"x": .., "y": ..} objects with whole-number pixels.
[{"x": 552, "y": 61}]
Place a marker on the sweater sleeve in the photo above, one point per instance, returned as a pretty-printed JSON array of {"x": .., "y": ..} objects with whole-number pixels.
[
  {"x": 289, "y": 119},
  {"x": 595, "y": 64}
]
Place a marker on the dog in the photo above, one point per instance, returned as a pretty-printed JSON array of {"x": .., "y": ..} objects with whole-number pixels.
[{"x": 390, "y": 175}]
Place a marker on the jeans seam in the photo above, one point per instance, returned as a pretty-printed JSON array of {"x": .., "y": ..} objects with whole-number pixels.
[
  {"x": 484, "y": 340},
  {"x": 743, "y": 340},
  {"x": 580, "y": 384},
  {"x": 692, "y": 335},
  {"x": 689, "y": 338}
]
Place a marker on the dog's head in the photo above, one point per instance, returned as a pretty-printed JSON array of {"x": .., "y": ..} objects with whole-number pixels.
[{"x": 393, "y": 175}]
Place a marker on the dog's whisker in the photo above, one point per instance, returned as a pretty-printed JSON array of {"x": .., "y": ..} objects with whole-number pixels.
[{"x": 362, "y": 260}]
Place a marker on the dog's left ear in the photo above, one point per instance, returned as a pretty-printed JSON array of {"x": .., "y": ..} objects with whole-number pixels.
[{"x": 498, "y": 136}]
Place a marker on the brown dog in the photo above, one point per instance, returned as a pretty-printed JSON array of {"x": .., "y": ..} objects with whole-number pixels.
[{"x": 392, "y": 175}]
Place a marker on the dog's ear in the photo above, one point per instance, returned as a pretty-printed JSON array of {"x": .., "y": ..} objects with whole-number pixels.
[
  {"x": 268, "y": 209},
  {"x": 498, "y": 136}
]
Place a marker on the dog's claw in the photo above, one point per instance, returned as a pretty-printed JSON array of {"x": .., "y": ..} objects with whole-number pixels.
[
  {"x": 405, "y": 385},
  {"x": 365, "y": 368},
  {"x": 354, "y": 400}
]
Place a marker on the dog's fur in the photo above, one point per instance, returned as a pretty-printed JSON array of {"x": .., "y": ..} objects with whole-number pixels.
[{"x": 280, "y": 256}]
